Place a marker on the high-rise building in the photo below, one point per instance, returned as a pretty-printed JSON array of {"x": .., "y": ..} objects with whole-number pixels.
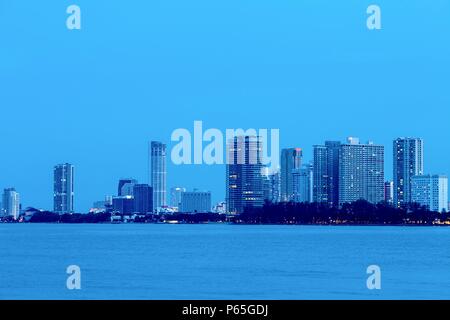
[
  {"x": 125, "y": 187},
  {"x": 244, "y": 177},
  {"x": 291, "y": 161},
  {"x": 63, "y": 188},
  {"x": 143, "y": 198},
  {"x": 175, "y": 196},
  {"x": 303, "y": 184},
  {"x": 158, "y": 173},
  {"x": 195, "y": 201},
  {"x": 389, "y": 192},
  {"x": 11, "y": 203},
  {"x": 361, "y": 172},
  {"x": 430, "y": 191},
  {"x": 408, "y": 162},
  {"x": 325, "y": 179}
]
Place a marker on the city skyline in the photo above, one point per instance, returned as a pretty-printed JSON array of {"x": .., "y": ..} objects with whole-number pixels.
[
  {"x": 305, "y": 176},
  {"x": 138, "y": 81}
]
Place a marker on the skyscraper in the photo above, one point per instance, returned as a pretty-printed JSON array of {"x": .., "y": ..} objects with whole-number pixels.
[
  {"x": 325, "y": 179},
  {"x": 63, "y": 188},
  {"x": 303, "y": 184},
  {"x": 430, "y": 191},
  {"x": 143, "y": 198},
  {"x": 361, "y": 172},
  {"x": 291, "y": 160},
  {"x": 244, "y": 181},
  {"x": 158, "y": 173},
  {"x": 11, "y": 203},
  {"x": 408, "y": 162}
]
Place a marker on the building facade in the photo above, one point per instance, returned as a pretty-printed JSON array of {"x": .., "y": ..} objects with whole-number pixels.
[
  {"x": 123, "y": 205},
  {"x": 244, "y": 176},
  {"x": 11, "y": 203},
  {"x": 175, "y": 196},
  {"x": 195, "y": 201},
  {"x": 389, "y": 192},
  {"x": 325, "y": 179},
  {"x": 290, "y": 162},
  {"x": 430, "y": 191},
  {"x": 125, "y": 187},
  {"x": 158, "y": 173},
  {"x": 407, "y": 163},
  {"x": 303, "y": 184},
  {"x": 361, "y": 172},
  {"x": 143, "y": 198},
  {"x": 63, "y": 188}
]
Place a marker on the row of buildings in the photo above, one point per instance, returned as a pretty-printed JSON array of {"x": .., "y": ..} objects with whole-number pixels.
[
  {"x": 132, "y": 197},
  {"x": 339, "y": 173}
]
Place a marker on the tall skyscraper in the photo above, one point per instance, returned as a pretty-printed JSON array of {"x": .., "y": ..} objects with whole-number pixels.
[
  {"x": 63, "y": 188},
  {"x": 408, "y": 162},
  {"x": 244, "y": 177},
  {"x": 430, "y": 191},
  {"x": 291, "y": 161},
  {"x": 143, "y": 198},
  {"x": 11, "y": 203},
  {"x": 125, "y": 187},
  {"x": 158, "y": 173},
  {"x": 361, "y": 172},
  {"x": 325, "y": 186}
]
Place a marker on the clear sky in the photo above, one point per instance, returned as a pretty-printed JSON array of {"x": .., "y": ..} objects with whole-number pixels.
[{"x": 137, "y": 70}]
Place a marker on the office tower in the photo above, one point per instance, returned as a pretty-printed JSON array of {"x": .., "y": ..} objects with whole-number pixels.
[
  {"x": 408, "y": 162},
  {"x": 389, "y": 192},
  {"x": 320, "y": 174},
  {"x": 361, "y": 172},
  {"x": 291, "y": 160},
  {"x": 125, "y": 187},
  {"x": 158, "y": 173},
  {"x": 11, "y": 203},
  {"x": 430, "y": 191},
  {"x": 143, "y": 198},
  {"x": 274, "y": 187},
  {"x": 302, "y": 184},
  {"x": 123, "y": 205},
  {"x": 63, "y": 188},
  {"x": 244, "y": 181},
  {"x": 325, "y": 178},
  {"x": 195, "y": 201},
  {"x": 175, "y": 196}
]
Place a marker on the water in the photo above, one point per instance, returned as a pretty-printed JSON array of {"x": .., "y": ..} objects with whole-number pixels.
[{"x": 219, "y": 261}]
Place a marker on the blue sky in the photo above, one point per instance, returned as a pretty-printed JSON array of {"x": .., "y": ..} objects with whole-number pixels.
[{"x": 140, "y": 69}]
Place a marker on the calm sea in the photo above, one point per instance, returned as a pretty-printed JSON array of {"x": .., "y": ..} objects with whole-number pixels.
[{"x": 219, "y": 261}]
